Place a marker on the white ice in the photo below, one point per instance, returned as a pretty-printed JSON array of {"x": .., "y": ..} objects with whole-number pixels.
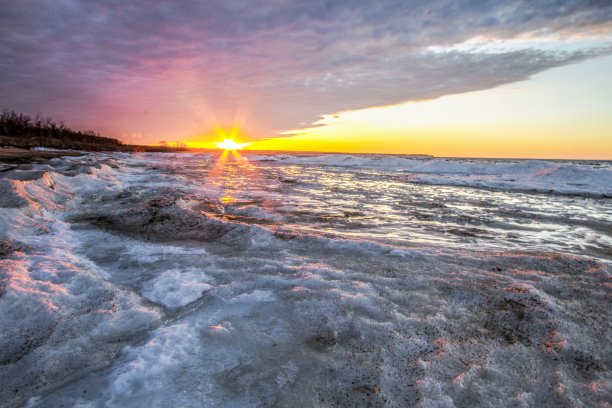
[{"x": 261, "y": 300}]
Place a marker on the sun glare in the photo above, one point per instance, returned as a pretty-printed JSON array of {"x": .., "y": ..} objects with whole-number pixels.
[{"x": 230, "y": 144}]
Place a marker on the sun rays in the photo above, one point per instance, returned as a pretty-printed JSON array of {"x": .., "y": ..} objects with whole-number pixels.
[{"x": 229, "y": 139}]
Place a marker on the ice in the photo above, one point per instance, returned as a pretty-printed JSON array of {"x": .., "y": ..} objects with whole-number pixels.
[
  {"x": 160, "y": 280},
  {"x": 143, "y": 377},
  {"x": 175, "y": 288},
  {"x": 62, "y": 319},
  {"x": 530, "y": 175},
  {"x": 45, "y": 149}
]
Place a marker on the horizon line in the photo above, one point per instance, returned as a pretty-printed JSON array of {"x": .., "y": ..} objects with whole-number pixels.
[{"x": 401, "y": 154}]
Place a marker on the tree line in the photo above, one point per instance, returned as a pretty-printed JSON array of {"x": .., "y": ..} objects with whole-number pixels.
[{"x": 18, "y": 129}]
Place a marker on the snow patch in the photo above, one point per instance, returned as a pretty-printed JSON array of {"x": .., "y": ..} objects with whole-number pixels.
[{"x": 176, "y": 288}]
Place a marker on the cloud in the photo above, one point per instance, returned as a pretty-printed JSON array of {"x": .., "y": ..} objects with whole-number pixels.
[{"x": 156, "y": 67}]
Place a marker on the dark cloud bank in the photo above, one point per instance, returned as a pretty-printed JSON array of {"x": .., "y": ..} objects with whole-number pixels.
[{"x": 145, "y": 65}]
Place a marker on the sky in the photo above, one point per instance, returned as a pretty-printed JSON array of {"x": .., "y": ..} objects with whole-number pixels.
[{"x": 449, "y": 78}]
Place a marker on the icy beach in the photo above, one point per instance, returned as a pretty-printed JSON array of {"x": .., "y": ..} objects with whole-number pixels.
[{"x": 252, "y": 280}]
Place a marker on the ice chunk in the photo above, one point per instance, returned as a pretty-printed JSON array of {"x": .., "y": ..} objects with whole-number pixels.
[{"x": 176, "y": 288}]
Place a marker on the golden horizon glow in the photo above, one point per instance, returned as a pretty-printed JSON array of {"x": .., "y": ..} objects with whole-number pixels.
[
  {"x": 227, "y": 139},
  {"x": 563, "y": 113}
]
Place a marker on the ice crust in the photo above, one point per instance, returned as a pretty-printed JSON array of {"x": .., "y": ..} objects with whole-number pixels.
[
  {"x": 525, "y": 175},
  {"x": 175, "y": 288},
  {"x": 127, "y": 281}
]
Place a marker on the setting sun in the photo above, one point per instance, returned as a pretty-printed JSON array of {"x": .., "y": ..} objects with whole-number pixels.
[{"x": 230, "y": 144}]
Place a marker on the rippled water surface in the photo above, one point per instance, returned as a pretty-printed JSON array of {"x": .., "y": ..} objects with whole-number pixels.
[{"x": 383, "y": 205}]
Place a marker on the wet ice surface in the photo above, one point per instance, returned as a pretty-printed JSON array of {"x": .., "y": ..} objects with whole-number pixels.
[{"x": 231, "y": 281}]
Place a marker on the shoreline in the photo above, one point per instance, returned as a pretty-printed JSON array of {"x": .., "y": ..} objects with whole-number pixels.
[{"x": 15, "y": 155}]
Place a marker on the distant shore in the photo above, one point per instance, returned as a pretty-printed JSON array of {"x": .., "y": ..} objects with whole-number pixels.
[
  {"x": 11, "y": 154},
  {"x": 18, "y": 155}
]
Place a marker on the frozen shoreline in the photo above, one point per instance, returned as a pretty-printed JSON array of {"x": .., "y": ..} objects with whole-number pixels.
[
  {"x": 561, "y": 177},
  {"x": 132, "y": 282}
]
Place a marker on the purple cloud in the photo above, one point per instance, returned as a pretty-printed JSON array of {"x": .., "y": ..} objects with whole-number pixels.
[{"x": 163, "y": 68}]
